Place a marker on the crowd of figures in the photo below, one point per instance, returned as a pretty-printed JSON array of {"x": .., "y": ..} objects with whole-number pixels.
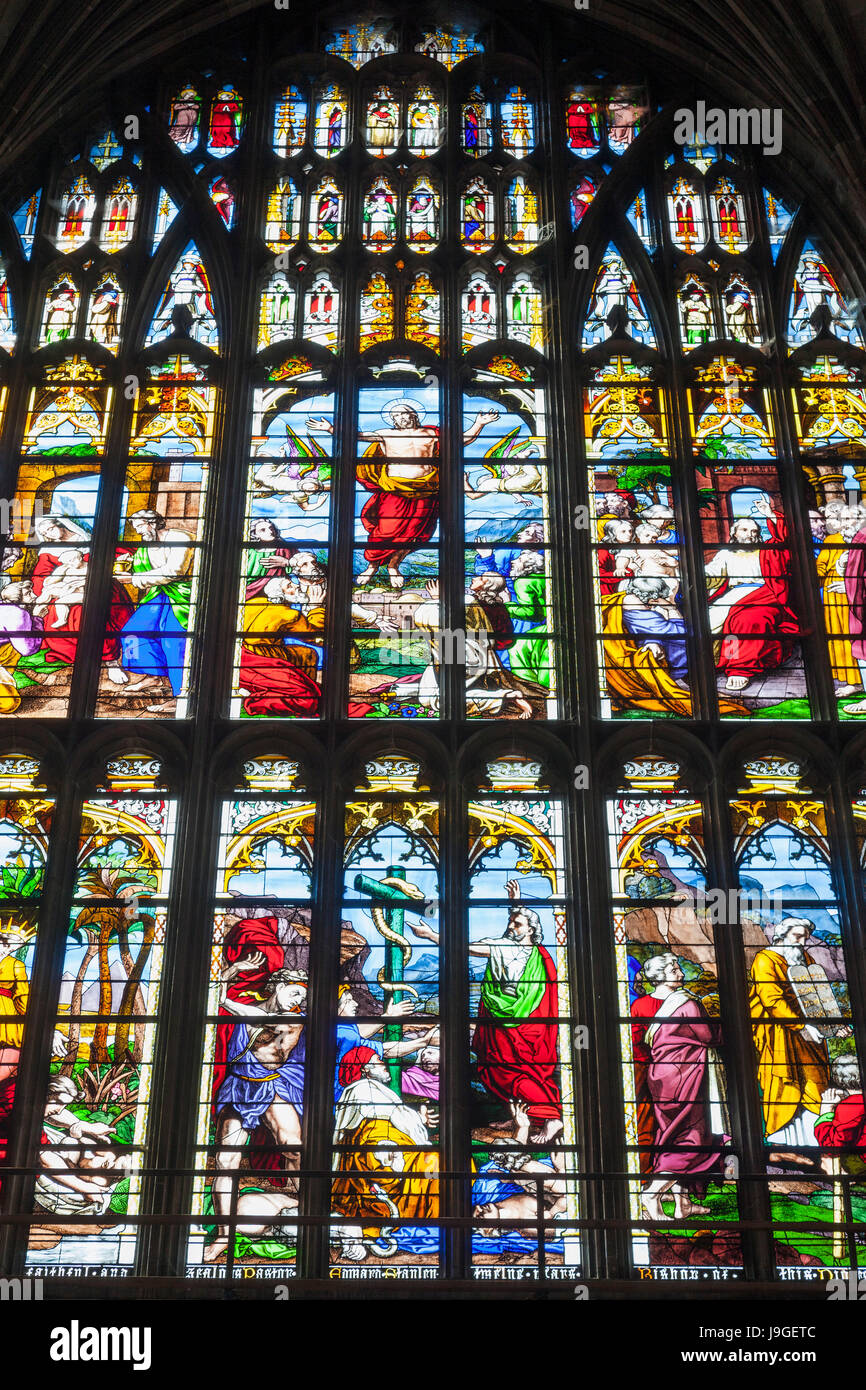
[
  {"x": 385, "y": 1189},
  {"x": 42, "y": 612}
]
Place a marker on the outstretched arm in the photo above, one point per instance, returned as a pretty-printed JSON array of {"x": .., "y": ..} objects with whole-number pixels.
[
  {"x": 403, "y": 1049},
  {"x": 426, "y": 932},
  {"x": 395, "y": 1009},
  {"x": 484, "y": 417},
  {"x": 237, "y": 1006}
]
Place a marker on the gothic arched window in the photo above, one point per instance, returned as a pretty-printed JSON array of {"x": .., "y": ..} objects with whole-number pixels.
[{"x": 397, "y": 420}]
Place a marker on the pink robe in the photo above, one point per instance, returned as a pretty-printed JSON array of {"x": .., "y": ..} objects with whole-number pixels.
[{"x": 677, "y": 1082}]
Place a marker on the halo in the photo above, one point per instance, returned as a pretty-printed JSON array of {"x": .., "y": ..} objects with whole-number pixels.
[{"x": 403, "y": 404}]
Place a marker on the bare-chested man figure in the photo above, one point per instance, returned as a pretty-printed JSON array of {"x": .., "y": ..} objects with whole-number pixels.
[
  {"x": 402, "y": 512},
  {"x": 264, "y": 1083}
]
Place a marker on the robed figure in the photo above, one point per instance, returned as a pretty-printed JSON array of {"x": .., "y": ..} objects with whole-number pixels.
[
  {"x": 672, "y": 1041},
  {"x": 515, "y": 1036},
  {"x": 752, "y": 607}
]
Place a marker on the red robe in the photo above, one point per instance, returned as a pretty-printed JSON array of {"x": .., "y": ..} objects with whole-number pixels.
[
  {"x": 760, "y": 629},
  {"x": 57, "y": 641},
  {"x": 223, "y": 131},
  {"x": 276, "y": 687},
  {"x": 643, "y": 1010},
  {"x": 608, "y": 579},
  {"x": 847, "y": 1129},
  {"x": 501, "y": 624},
  {"x": 395, "y": 524},
  {"x": 518, "y": 1061},
  {"x": 262, "y": 934},
  {"x": 396, "y": 520},
  {"x": 581, "y": 135}
]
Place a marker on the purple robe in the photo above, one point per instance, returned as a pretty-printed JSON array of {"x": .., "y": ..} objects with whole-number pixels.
[
  {"x": 678, "y": 1085},
  {"x": 15, "y": 625},
  {"x": 855, "y": 592}
]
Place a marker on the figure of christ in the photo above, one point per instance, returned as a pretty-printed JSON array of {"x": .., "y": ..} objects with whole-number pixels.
[
  {"x": 263, "y": 1084},
  {"x": 515, "y": 1035},
  {"x": 750, "y": 599},
  {"x": 673, "y": 1035},
  {"x": 403, "y": 510}
]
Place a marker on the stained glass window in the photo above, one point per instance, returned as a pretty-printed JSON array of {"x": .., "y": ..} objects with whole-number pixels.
[
  {"x": 97, "y": 1095},
  {"x": 670, "y": 1019},
  {"x": 396, "y": 424}
]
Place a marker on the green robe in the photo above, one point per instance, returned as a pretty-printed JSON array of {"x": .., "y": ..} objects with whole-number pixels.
[
  {"x": 512, "y": 1002},
  {"x": 177, "y": 591},
  {"x": 531, "y": 655}
]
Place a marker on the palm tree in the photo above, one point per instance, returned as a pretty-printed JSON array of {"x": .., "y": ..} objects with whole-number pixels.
[
  {"x": 81, "y": 932},
  {"x": 111, "y": 924},
  {"x": 132, "y": 1002}
]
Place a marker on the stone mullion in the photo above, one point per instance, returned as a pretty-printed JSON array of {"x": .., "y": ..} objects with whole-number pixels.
[
  {"x": 791, "y": 473},
  {"x": 113, "y": 466},
  {"x": 744, "y": 1101},
  {"x": 598, "y": 1110}
]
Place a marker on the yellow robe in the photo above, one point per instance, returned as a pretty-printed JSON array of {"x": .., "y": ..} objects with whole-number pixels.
[
  {"x": 637, "y": 679},
  {"x": 10, "y": 699},
  {"x": 14, "y": 993},
  {"x": 265, "y": 623},
  {"x": 837, "y": 610},
  {"x": 792, "y": 1071},
  {"x": 414, "y": 1190}
]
